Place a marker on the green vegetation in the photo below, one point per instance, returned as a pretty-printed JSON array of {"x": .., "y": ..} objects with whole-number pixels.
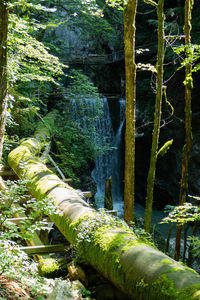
[
  {"x": 34, "y": 73},
  {"x": 109, "y": 241},
  {"x": 15, "y": 264},
  {"x": 72, "y": 151},
  {"x": 16, "y": 201}
]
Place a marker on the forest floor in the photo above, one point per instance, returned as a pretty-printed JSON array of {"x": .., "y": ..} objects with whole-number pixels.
[{"x": 11, "y": 289}]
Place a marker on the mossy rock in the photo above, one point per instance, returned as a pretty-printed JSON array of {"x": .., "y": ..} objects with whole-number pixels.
[{"x": 52, "y": 268}]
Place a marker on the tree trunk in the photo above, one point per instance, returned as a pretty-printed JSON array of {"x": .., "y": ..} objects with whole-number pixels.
[
  {"x": 130, "y": 263},
  {"x": 3, "y": 70},
  {"x": 190, "y": 250},
  {"x": 157, "y": 117},
  {"x": 188, "y": 121},
  {"x": 186, "y": 227},
  {"x": 168, "y": 238},
  {"x": 108, "y": 201},
  {"x": 130, "y": 69}
]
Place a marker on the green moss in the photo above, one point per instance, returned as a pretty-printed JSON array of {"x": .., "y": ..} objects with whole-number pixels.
[
  {"x": 191, "y": 270},
  {"x": 110, "y": 239},
  {"x": 165, "y": 289},
  {"x": 166, "y": 261},
  {"x": 177, "y": 269},
  {"x": 188, "y": 268},
  {"x": 48, "y": 268}
]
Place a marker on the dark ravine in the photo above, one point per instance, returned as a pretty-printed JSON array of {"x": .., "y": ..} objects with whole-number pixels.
[{"x": 130, "y": 263}]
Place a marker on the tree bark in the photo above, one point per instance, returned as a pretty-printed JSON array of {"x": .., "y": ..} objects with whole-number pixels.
[
  {"x": 190, "y": 250},
  {"x": 108, "y": 200},
  {"x": 3, "y": 70},
  {"x": 157, "y": 117},
  {"x": 188, "y": 121},
  {"x": 130, "y": 70},
  {"x": 130, "y": 263}
]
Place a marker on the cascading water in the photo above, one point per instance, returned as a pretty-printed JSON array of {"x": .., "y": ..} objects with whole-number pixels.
[
  {"x": 103, "y": 163},
  {"x": 109, "y": 164},
  {"x": 117, "y": 166},
  {"x": 97, "y": 122}
]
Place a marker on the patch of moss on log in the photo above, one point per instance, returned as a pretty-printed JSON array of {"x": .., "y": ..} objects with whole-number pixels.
[{"x": 165, "y": 288}]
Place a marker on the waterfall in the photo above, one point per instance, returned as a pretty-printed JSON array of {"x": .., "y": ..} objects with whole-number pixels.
[
  {"x": 94, "y": 117},
  {"x": 117, "y": 165},
  {"x": 103, "y": 162},
  {"x": 109, "y": 164},
  {"x": 84, "y": 112}
]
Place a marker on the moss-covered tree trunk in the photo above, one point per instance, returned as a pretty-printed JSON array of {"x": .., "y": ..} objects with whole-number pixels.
[
  {"x": 157, "y": 117},
  {"x": 188, "y": 120},
  {"x": 130, "y": 70},
  {"x": 130, "y": 263},
  {"x": 3, "y": 70}
]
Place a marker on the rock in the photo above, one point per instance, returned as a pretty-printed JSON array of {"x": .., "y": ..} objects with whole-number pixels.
[
  {"x": 79, "y": 291},
  {"x": 76, "y": 273},
  {"x": 48, "y": 267},
  {"x": 62, "y": 290},
  {"x": 77, "y": 285},
  {"x": 51, "y": 268}
]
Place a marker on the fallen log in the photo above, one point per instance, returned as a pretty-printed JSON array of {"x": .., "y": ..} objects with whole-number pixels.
[{"x": 130, "y": 263}]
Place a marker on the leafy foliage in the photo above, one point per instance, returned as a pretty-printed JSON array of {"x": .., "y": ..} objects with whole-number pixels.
[
  {"x": 16, "y": 264},
  {"x": 76, "y": 141},
  {"x": 80, "y": 87},
  {"x": 193, "y": 55},
  {"x": 182, "y": 214},
  {"x": 16, "y": 200},
  {"x": 195, "y": 245},
  {"x": 29, "y": 59},
  {"x": 73, "y": 152}
]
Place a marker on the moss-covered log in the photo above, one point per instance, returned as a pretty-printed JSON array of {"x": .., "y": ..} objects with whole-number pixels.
[{"x": 138, "y": 269}]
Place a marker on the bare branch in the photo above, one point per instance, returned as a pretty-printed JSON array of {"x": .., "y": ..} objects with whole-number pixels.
[{"x": 151, "y": 2}]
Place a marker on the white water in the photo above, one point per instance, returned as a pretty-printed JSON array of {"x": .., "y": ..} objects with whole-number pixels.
[
  {"x": 103, "y": 163},
  {"x": 110, "y": 164}
]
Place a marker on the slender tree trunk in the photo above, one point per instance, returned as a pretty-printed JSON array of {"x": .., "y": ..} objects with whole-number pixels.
[
  {"x": 188, "y": 121},
  {"x": 3, "y": 70},
  {"x": 108, "y": 200},
  {"x": 190, "y": 250},
  {"x": 157, "y": 117},
  {"x": 186, "y": 227},
  {"x": 130, "y": 67},
  {"x": 168, "y": 238}
]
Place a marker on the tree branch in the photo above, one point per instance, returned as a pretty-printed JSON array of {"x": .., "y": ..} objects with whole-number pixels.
[{"x": 151, "y": 2}]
